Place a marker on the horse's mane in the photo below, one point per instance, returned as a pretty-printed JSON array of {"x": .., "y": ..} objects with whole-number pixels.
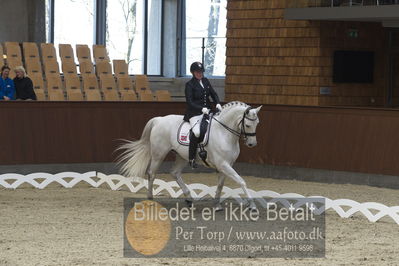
[{"x": 233, "y": 104}]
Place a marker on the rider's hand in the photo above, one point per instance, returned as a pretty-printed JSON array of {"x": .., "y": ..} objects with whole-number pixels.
[
  {"x": 219, "y": 107},
  {"x": 205, "y": 111}
]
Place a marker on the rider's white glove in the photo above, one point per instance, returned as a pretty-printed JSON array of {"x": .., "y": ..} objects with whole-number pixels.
[
  {"x": 219, "y": 107},
  {"x": 205, "y": 111}
]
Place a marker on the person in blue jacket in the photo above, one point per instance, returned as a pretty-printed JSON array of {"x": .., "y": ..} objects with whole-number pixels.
[{"x": 7, "y": 88}]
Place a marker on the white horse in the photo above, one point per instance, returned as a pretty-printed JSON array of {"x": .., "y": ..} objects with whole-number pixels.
[{"x": 160, "y": 136}]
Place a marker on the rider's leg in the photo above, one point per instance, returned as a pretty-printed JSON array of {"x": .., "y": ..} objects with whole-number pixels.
[
  {"x": 192, "y": 150},
  {"x": 195, "y": 128}
]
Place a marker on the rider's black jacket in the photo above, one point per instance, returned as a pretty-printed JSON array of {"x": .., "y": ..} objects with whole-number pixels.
[{"x": 198, "y": 97}]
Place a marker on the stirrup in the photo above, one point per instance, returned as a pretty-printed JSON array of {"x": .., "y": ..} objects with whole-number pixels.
[
  {"x": 203, "y": 154},
  {"x": 193, "y": 164}
]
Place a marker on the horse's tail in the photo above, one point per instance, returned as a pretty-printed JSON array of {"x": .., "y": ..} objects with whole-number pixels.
[{"x": 136, "y": 157}]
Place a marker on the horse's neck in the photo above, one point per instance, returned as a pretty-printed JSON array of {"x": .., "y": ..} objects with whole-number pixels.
[{"x": 232, "y": 117}]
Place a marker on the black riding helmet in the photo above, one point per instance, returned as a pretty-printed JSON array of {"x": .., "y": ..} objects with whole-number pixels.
[{"x": 197, "y": 66}]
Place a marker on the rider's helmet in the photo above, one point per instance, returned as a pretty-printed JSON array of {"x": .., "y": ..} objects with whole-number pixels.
[{"x": 197, "y": 66}]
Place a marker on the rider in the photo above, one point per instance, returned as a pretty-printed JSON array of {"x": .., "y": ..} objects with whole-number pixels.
[{"x": 197, "y": 91}]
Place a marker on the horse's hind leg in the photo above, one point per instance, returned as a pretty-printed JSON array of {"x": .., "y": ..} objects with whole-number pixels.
[
  {"x": 219, "y": 189},
  {"x": 156, "y": 161},
  {"x": 177, "y": 169}
]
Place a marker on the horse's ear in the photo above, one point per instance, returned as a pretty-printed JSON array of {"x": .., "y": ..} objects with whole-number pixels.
[
  {"x": 258, "y": 109},
  {"x": 247, "y": 111}
]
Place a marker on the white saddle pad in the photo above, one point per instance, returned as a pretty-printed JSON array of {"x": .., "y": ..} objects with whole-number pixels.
[{"x": 183, "y": 134}]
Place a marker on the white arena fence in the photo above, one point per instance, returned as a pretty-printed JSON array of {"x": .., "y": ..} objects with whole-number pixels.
[{"x": 371, "y": 210}]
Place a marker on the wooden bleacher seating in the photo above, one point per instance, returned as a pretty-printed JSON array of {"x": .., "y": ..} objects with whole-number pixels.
[
  {"x": 163, "y": 96},
  {"x": 51, "y": 68},
  {"x": 120, "y": 68},
  {"x": 13, "y": 50},
  {"x": 83, "y": 52},
  {"x": 98, "y": 81},
  {"x": 93, "y": 95},
  {"x": 37, "y": 80},
  {"x": 30, "y": 50},
  {"x": 90, "y": 82},
  {"x": 108, "y": 87},
  {"x": 48, "y": 52},
  {"x": 54, "y": 88},
  {"x": 66, "y": 53},
  {"x": 69, "y": 67},
  {"x": 73, "y": 87},
  {"x": 86, "y": 67},
  {"x": 141, "y": 83},
  {"x": 103, "y": 67},
  {"x": 100, "y": 53},
  {"x": 146, "y": 96},
  {"x": 107, "y": 81},
  {"x": 125, "y": 87},
  {"x": 125, "y": 83},
  {"x": 33, "y": 66},
  {"x": 38, "y": 86},
  {"x": 2, "y": 55}
]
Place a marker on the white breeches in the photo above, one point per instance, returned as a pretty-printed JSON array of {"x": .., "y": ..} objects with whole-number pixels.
[{"x": 195, "y": 123}]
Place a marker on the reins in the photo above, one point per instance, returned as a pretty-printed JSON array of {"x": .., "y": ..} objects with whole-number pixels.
[{"x": 235, "y": 132}]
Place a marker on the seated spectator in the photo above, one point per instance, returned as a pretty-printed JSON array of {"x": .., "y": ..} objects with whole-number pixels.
[
  {"x": 7, "y": 89},
  {"x": 23, "y": 85}
]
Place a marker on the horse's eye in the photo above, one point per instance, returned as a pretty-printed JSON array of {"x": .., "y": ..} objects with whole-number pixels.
[{"x": 247, "y": 126}]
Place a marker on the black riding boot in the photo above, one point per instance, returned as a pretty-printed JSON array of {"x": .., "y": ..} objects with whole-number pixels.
[{"x": 192, "y": 150}]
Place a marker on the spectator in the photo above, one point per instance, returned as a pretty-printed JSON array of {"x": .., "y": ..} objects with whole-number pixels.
[
  {"x": 23, "y": 85},
  {"x": 7, "y": 89}
]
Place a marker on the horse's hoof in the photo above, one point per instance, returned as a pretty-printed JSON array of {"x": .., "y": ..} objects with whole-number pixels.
[
  {"x": 252, "y": 206},
  {"x": 189, "y": 203},
  {"x": 253, "y": 209},
  {"x": 218, "y": 208}
]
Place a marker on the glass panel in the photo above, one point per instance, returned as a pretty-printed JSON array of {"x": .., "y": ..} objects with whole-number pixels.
[
  {"x": 154, "y": 37},
  {"x": 124, "y": 33},
  {"x": 74, "y": 22},
  {"x": 48, "y": 20},
  {"x": 206, "y": 19}
]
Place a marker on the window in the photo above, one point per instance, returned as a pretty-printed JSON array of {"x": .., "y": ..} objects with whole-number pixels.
[
  {"x": 205, "y": 35},
  {"x": 154, "y": 42},
  {"x": 74, "y": 21},
  {"x": 133, "y": 30},
  {"x": 124, "y": 33},
  {"x": 49, "y": 22}
]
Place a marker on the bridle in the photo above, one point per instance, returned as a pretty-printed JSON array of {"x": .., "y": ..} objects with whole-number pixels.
[{"x": 243, "y": 132}]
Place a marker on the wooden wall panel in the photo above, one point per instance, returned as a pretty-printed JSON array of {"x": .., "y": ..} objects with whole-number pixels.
[
  {"x": 311, "y": 137},
  {"x": 371, "y": 37},
  {"x": 270, "y": 57}
]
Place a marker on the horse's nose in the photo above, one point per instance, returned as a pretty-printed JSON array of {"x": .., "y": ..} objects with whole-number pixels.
[{"x": 250, "y": 145}]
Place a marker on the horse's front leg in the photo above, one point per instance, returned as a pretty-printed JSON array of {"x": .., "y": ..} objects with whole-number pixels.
[
  {"x": 219, "y": 189},
  {"x": 177, "y": 169},
  {"x": 227, "y": 170}
]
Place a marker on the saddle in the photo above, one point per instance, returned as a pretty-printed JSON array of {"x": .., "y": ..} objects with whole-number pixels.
[{"x": 183, "y": 133}]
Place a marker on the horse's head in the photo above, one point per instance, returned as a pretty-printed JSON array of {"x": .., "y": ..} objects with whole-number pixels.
[{"x": 249, "y": 123}]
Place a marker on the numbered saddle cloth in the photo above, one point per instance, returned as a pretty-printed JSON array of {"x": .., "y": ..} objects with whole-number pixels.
[{"x": 183, "y": 133}]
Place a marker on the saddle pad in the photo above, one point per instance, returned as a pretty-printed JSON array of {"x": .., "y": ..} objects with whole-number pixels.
[{"x": 183, "y": 133}]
